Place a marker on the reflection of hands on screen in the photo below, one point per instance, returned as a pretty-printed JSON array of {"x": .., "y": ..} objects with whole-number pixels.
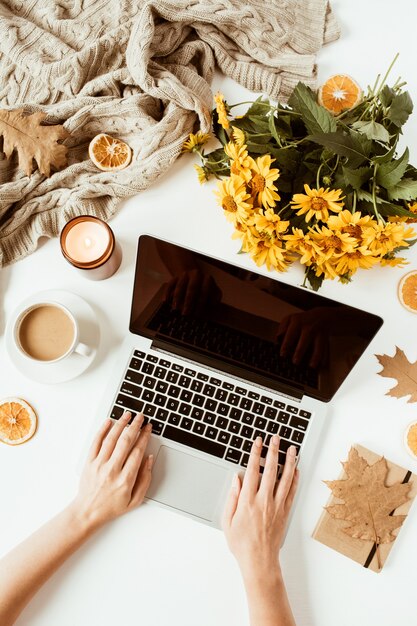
[
  {"x": 192, "y": 291},
  {"x": 306, "y": 334}
]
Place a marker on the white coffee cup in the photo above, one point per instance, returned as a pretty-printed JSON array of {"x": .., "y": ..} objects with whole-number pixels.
[{"x": 47, "y": 332}]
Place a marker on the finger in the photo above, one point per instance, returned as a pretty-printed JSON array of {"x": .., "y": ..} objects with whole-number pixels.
[
  {"x": 285, "y": 482},
  {"x": 98, "y": 439},
  {"x": 114, "y": 434},
  {"x": 269, "y": 476},
  {"x": 318, "y": 351},
  {"x": 290, "y": 338},
  {"x": 126, "y": 441},
  {"x": 251, "y": 478},
  {"x": 191, "y": 293},
  {"x": 303, "y": 345},
  {"x": 283, "y": 325},
  {"x": 231, "y": 502},
  {"x": 134, "y": 459},
  {"x": 142, "y": 483},
  {"x": 293, "y": 490}
]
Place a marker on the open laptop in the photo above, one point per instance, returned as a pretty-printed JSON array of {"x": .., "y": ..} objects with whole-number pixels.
[{"x": 209, "y": 360}]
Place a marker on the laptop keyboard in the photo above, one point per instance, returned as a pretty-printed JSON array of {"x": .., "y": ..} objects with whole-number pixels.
[{"x": 207, "y": 413}]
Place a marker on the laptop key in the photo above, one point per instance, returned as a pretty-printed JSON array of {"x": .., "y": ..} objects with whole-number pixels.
[
  {"x": 176, "y": 367},
  {"x": 247, "y": 432},
  {"x": 174, "y": 391},
  {"x": 201, "y": 376},
  {"x": 147, "y": 368},
  {"x": 233, "y": 455},
  {"x": 228, "y": 386},
  {"x": 247, "y": 446},
  {"x": 194, "y": 441},
  {"x": 131, "y": 390},
  {"x": 283, "y": 417},
  {"x": 236, "y": 441},
  {"x": 135, "y": 364},
  {"x": 164, "y": 363},
  {"x": 235, "y": 414},
  {"x": 222, "y": 422},
  {"x": 116, "y": 413},
  {"x": 199, "y": 428},
  {"x": 129, "y": 403},
  {"x": 303, "y": 413},
  {"x": 162, "y": 387},
  {"x": 266, "y": 400},
  {"x": 139, "y": 354},
  {"x": 272, "y": 427},
  {"x": 185, "y": 409},
  {"x": 186, "y": 395},
  {"x": 196, "y": 413},
  {"x": 147, "y": 395},
  {"x": 245, "y": 403},
  {"x": 279, "y": 405},
  {"x": 156, "y": 427},
  {"x": 184, "y": 381},
  {"x": 248, "y": 418},
  {"x": 245, "y": 460},
  {"x": 264, "y": 452},
  {"x": 209, "y": 418},
  {"x": 215, "y": 381},
  {"x": 284, "y": 445},
  {"x": 253, "y": 395},
  {"x": 234, "y": 427},
  {"x": 149, "y": 382},
  {"x": 285, "y": 432},
  {"x": 233, "y": 399},
  {"x": 149, "y": 410},
  {"x": 223, "y": 437},
  {"x": 297, "y": 436},
  {"x": 292, "y": 409},
  {"x": 211, "y": 432},
  {"x": 160, "y": 400},
  {"x": 258, "y": 408},
  {"x": 134, "y": 377},
  {"x": 162, "y": 414},
  {"x": 172, "y": 405},
  {"x": 241, "y": 390},
  {"x": 198, "y": 400},
  {"x": 152, "y": 358},
  {"x": 299, "y": 422},
  {"x": 189, "y": 372},
  {"x": 260, "y": 422},
  {"x": 172, "y": 377},
  {"x": 223, "y": 409},
  {"x": 186, "y": 423},
  {"x": 160, "y": 372},
  {"x": 271, "y": 412},
  {"x": 196, "y": 385},
  {"x": 174, "y": 418},
  {"x": 210, "y": 405},
  {"x": 221, "y": 394},
  {"x": 209, "y": 390}
]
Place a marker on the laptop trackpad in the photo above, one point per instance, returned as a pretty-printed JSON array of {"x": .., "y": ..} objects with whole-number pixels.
[{"x": 187, "y": 483}]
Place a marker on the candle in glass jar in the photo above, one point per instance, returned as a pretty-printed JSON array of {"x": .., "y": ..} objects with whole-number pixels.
[{"x": 89, "y": 244}]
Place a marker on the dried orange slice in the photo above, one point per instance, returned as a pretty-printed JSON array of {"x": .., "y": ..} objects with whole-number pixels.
[
  {"x": 339, "y": 93},
  {"x": 410, "y": 439},
  {"x": 18, "y": 421},
  {"x": 407, "y": 291},
  {"x": 108, "y": 153}
]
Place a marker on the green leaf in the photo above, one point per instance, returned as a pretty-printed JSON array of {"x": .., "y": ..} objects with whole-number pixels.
[
  {"x": 389, "y": 174},
  {"x": 386, "y": 96},
  {"x": 257, "y": 148},
  {"x": 272, "y": 128},
  {"x": 355, "y": 149},
  {"x": 400, "y": 109},
  {"x": 258, "y": 108},
  {"x": 315, "y": 281},
  {"x": 356, "y": 178},
  {"x": 406, "y": 189},
  {"x": 315, "y": 117},
  {"x": 286, "y": 158},
  {"x": 372, "y": 130},
  {"x": 384, "y": 158},
  {"x": 218, "y": 129},
  {"x": 395, "y": 210}
]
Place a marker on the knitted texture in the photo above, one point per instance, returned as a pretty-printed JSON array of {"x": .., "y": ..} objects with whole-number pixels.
[{"x": 140, "y": 71}]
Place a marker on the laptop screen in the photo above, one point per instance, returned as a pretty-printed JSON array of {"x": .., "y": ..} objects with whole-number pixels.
[{"x": 244, "y": 323}]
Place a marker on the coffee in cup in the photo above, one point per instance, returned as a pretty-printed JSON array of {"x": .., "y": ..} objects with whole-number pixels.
[{"x": 48, "y": 332}]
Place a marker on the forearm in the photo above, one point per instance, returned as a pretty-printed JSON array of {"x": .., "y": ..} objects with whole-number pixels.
[
  {"x": 267, "y": 598},
  {"x": 26, "y": 568}
]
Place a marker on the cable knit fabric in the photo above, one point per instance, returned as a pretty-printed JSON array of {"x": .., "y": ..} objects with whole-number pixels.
[{"x": 138, "y": 70}]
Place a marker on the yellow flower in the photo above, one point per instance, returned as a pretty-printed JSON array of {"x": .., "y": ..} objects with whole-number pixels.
[
  {"x": 268, "y": 251},
  {"x": 384, "y": 238},
  {"x": 350, "y": 262},
  {"x": 351, "y": 223},
  {"x": 201, "y": 174},
  {"x": 394, "y": 261},
  {"x": 301, "y": 243},
  {"x": 269, "y": 223},
  {"x": 411, "y": 207},
  {"x": 244, "y": 232},
  {"x": 234, "y": 199},
  {"x": 240, "y": 160},
  {"x": 262, "y": 181},
  {"x": 195, "y": 141},
  {"x": 222, "y": 110},
  {"x": 317, "y": 202},
  {"x": 238, "y": 136},
  {"x": 328, "y": 243}
]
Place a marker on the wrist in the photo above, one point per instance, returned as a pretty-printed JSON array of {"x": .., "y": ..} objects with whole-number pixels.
[
  {"x": 261, "y": 574},
  {"x": 81, "y": 519}
]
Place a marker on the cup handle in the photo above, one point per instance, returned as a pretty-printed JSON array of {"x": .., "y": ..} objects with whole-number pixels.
[{"x": 83, "y": 349}]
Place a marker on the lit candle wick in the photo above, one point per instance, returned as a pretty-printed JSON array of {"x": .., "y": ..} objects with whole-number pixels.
[{"x": 88, "y": 242}]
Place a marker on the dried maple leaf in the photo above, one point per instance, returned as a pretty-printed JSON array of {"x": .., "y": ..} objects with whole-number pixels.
[
  {"x": 399, "y": 367},
  {"x": 368, "y": 503},
  {"x": 33, "y": 141}
]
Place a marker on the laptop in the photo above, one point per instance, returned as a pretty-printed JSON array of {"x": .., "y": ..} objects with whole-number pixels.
[{"x": 217, "y": 355}]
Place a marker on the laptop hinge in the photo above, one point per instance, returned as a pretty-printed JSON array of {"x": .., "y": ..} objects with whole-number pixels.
[{"x": 245, "y": 375}]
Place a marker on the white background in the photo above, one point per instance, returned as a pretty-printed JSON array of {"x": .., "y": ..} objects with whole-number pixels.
[{"x": 154, "y": 567}]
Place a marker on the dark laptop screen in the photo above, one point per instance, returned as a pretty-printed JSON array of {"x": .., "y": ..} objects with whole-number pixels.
[{"x": 244, "y": 323}]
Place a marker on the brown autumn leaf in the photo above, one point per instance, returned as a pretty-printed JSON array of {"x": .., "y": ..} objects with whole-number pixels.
[
  {"x": 33, "y": 141},
  {"x": 399, "y": 367},
  {"x": 368, "y": 503}
]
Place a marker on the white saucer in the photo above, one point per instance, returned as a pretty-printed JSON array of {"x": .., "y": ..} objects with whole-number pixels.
[{"x": 73, "y": 365}]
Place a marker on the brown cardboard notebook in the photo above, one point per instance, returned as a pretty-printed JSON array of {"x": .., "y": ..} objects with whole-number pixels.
[{"x": 329, "y": 531}]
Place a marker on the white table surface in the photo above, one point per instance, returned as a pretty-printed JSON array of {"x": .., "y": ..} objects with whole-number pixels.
[{"x": 157, "y": 568}]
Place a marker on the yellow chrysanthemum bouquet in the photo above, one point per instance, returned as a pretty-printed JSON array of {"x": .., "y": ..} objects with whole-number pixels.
[{"x": 317, "y": 179}]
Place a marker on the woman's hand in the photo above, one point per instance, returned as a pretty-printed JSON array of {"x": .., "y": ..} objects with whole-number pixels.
[
  {"x": 116, "y": 475},
  {"x": 256, "y": 513}
]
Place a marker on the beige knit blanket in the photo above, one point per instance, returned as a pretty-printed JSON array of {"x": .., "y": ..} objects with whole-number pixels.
[{"x": 141, "y": 71}]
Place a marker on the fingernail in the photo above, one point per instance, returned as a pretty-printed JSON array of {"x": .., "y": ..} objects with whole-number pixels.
[
  {"x": 148, "y": 426},
  {"x": 258, "y": 441},
  {"x": 150, "y": 461},
  {"x": 292, "y": 451},
  {"x": 127, "y": 415},
  {"x": 235, "y": 483},
  {"x": 275, "y": 440}
]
